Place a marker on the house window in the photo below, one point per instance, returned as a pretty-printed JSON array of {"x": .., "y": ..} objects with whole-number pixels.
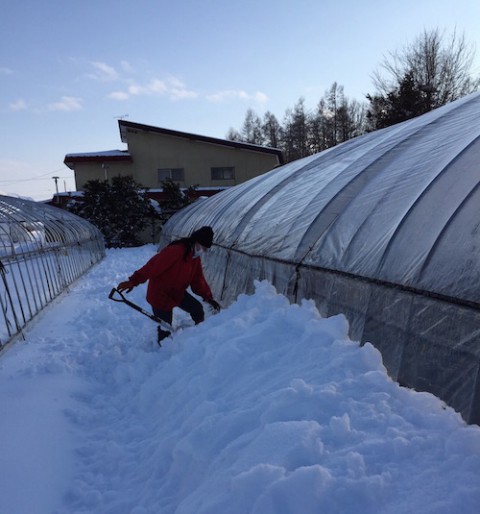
[
  {"x": 175, "y": 174},
  {"x": 223, "y": 173}
]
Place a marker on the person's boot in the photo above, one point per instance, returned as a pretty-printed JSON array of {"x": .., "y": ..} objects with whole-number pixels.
[{"x": 162, "y": 334}]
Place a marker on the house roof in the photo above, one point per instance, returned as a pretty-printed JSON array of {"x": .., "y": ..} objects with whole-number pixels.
[
  {"x": 124, "y": 125},
  {"x": 110, "y": 155}
]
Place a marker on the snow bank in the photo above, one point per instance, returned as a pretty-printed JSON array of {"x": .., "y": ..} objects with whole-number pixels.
[{"x": 263, "y": 408}]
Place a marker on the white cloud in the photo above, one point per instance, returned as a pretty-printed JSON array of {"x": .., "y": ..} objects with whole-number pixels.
[
  {"x": 235, "y": 94},
  {"x": 66, "y": 104},
  {"x": 118, "y": 95},
  {"x": 19, "y": 105},
  {"x": 156, "y": 86},
  {"x": 126, "y": 66},
  {"x": 178, "y": 91},
  {"x": 260, "y": 97},
  {"x": 135, "y": 90},
  {"x": 224, "y": 96},
  {"x": 104, "y": 72},
  {"x": 5, "y": 71},
  {"x": 172, "y": 87}
]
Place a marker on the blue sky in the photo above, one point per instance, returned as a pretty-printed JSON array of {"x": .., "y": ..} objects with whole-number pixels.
[{"x": 69, "y": 70}]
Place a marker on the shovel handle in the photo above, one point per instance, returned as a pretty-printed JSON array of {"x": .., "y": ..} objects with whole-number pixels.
[{"x": 122, "y": 299}]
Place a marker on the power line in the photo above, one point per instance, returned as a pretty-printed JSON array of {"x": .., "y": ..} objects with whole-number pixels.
[
  {"x": 43, "y": 176},
  {"x": 50, "y": 172},
  {"x": 14, "y": 181}
]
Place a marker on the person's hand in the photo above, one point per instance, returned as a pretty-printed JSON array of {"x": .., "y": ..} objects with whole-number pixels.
[
  {"x": 215, "y": 305},
  {"x": 126, "y": 286}
]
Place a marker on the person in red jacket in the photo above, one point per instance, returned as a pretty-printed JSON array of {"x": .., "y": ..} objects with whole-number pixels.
[{"x": 170, "y": 272}]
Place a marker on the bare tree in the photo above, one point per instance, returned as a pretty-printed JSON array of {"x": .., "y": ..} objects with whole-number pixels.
[
  {"x": 357, "y": 119},
  {"x": 441, "y": 68}
]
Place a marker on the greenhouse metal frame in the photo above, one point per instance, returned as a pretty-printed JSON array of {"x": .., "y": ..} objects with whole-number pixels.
[{"x": 43, "y": 249}]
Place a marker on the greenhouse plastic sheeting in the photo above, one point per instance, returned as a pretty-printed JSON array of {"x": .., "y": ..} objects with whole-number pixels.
[
  {"x": 43, "y": 249},
  {"x": 384, "y": 228}
]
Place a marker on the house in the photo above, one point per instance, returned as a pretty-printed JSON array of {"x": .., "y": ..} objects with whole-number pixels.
[{"x": 155, "y": 154}]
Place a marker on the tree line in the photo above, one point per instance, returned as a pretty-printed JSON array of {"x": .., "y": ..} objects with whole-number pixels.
[
  {"x": 430, "y": 72},
  {"x": 427, "y": 74}
]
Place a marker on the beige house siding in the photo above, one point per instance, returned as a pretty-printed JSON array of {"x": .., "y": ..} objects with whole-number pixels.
[
  {"x": 101, "y": 170},
  {"x": 151, "y": 149}
]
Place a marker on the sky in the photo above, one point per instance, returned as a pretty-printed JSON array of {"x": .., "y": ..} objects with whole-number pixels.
[
  {"x": 69, "y": 70},
  {"x": 265, "y": 408}
]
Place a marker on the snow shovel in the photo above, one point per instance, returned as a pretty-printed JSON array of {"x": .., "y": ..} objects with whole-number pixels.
[{"x": 122, "y": 299}]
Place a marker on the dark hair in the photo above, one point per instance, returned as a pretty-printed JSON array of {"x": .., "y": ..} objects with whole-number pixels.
[{"x": 204, "y": 236}]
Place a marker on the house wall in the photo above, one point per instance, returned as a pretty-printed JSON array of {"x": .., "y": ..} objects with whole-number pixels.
[
  {"x": 152, "y": 151},
  {"x": 85, "y": 171}
]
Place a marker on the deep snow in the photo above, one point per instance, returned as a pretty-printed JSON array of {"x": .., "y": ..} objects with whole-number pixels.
[{"x": 263, "y": 408}]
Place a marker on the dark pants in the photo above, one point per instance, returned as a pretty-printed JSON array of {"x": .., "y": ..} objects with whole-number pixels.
[{"x": 189, "y": 304}]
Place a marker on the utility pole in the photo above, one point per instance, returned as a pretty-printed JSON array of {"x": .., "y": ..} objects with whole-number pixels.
[
  {"x": 56, "y": 187},
  {"x": 56, "y": 183}
]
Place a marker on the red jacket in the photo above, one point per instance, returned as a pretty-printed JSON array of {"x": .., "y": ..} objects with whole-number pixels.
[{"x": 170, "y": 273}]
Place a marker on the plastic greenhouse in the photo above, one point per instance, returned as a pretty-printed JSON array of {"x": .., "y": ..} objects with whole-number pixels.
[
  {"x": 42, "y": 250},
  {"x": 384, "y": 228}
]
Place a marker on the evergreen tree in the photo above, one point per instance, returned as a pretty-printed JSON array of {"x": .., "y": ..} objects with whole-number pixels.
[
  {"x": 272, "y": 130},
  {"x": 174, "y": 198},
  {"x": 319, "y": 128},
  {"x": 233, "y": 135},
  {"x": 120, "y": 210},
  {"x": 334, "y": 99},
  {"x": 403, "y": 103},
  {"x": 287, "y": 141},
  {"x": 252, "y": 128},
  {"x": 295, "y": 141},
  {"x": 299, "y": 130},
  {"x": 335, "y": 120}
]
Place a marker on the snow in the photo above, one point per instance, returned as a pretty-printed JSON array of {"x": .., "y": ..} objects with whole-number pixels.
[
  {"x": 264, "y": 408},
  {"x": 106, "y": 153}
]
